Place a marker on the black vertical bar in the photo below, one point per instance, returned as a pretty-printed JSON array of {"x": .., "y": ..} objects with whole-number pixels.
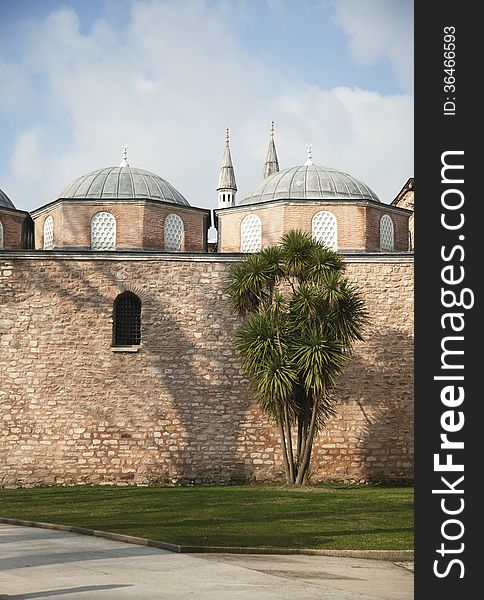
[{"x": 447, "y": 119}]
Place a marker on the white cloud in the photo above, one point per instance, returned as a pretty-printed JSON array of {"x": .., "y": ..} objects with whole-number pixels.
[
  {"x": 167, "y": 86},
  {"x": 379, "y": 28}
]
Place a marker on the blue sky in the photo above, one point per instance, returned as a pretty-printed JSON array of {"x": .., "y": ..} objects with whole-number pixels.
[{"x": 81, "y": 78}]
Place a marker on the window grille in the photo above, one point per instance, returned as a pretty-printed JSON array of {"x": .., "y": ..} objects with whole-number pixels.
[
  {"x": 251, "y": 234},
  {"x": 127, "y": 320},
  {"x": 103, "y": 231},
  {"x": 387, "y": 241},
  {"x": 49, "y": 233},
  {"x": 174, "y": 233},
  {"x": 324, "y": 229}
]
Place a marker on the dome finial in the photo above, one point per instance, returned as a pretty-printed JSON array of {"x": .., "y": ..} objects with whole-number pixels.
[
  {"x": 227, "y": 136},
  {"x": 309, "y": 155},
  {"x": 272, "y": 129},
  {"x": 124, "y": 162}
]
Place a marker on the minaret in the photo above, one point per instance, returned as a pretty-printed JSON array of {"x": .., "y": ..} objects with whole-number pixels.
[
  {"x": 227, "y": 187},
  {"x": 271, "y": 165}
]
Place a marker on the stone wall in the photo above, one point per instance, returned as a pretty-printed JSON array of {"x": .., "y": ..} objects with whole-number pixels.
[{"x": 72, "y": 410}]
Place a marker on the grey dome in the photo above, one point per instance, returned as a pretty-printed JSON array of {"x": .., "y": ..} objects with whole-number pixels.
[
  {"x": 5, "y": 201},
  {"x": 120, "y": 183},
  {"x": 310, "y": 182}
]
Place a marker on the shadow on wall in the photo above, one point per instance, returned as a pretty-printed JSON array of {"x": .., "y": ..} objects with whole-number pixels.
[
  {"x": 384, "y": 395},
  {"x": 177, "y": 411}
]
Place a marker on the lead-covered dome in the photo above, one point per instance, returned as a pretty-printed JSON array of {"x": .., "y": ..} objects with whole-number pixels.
[
  {"x": 5, "y": 201},
  {"x": 123, "y": 182},
  {"x": 310, "y": 182}
]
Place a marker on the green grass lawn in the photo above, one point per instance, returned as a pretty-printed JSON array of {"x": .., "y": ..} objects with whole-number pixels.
[{"x": 330, "y": 516}]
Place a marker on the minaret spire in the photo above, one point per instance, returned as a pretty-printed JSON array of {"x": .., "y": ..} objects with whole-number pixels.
[
  {"x": 271, "y": 165},
  {"x": 227, "y": 187}
]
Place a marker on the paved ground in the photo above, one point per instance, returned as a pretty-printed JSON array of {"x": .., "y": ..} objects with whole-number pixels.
[{"x": 41, "y": 563}]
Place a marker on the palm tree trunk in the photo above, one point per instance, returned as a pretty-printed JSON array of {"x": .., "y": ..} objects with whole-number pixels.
[
  {"x": 305, "y": 425},
  {"x": 289, "y": 444},
  {"x": 299, "y": 439},
  {"x": 309, "y": 444},
  {"x": 284, "y": 450}
]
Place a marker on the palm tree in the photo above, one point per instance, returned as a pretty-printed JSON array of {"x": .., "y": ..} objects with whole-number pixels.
[{"x": 300, "y": 318}]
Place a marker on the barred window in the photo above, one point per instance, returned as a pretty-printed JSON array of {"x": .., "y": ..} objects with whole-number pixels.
[
  {"x": 127, "y": 320},
  {"x": 103, "y": 231},
  {"x": 174, "y": 233},
  {"x": 387, "y": 242},
  {"x": 49, "y": 233},
  {"x": 251, "y": 234},
  {"x": 1, "y": 235},
  {"x": 324, "y": 229}
]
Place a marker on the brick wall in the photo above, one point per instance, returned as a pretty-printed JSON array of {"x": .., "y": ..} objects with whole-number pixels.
[
  {"x": 406, "y": 200},
  {"x": 400, "y": 227},
  {"x": 139, "y": 224},
  {"x": 358, "y": 225},
  {"x": 12, "y": 223},
  {"x": 74, "y": 411}
]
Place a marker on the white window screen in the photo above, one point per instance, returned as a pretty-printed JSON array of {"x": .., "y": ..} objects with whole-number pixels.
[
  {"x": 174, "y": 233},
  {"x": 49, "y": 233},
  {"x": 324, "y": 229},
  {"x": 387, "y": 241},
  {"x": 251, "y": 234},
  {"x": 1, "y": 235},
  {"x": 103, "y": 231}
]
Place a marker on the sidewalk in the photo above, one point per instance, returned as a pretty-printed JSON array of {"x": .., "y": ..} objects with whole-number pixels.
[{"x": 39, "y": 563}]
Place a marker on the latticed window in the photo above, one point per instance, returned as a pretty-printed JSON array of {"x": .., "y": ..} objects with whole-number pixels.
[
  {"x": 127, "y": 320},
  {"x": 103, "y": 231},
  {"x": 251, "y": 234},
  {"x": 387, "y": 236},
  {"x": 324, "y": 229},
  {"x": 1, "y": 235},
  {"x": 49, "y": 233},
  {"x": 174, "y": 233}
]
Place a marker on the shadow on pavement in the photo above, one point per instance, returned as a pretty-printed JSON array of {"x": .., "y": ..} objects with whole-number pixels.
[
  {"x": 51, "y": 593},
  {"x": 57, "y": 558}
]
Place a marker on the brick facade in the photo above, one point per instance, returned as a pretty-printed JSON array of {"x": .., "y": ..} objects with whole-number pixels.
[
  {"x": 14, "y": 222},
  {"x": 358, "y": 223},
  {"x": 405, "y": 199},
  {"x": 180, "y": 409},
  {"x": 139, "y": 223}
]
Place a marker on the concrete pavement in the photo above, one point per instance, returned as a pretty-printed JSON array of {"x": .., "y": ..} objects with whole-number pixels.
[{"x": 40, "y": 563}]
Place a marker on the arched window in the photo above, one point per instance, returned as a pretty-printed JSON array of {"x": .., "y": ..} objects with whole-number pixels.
[
  {"x": 387, "y": 241},
  {"x": 1, "y": 235},
  {"x": 28, "y": 234},
  {"x": 174, "y": 233},
  {"x": 127, "y": 320},
  {"x": 49, "y": 233},
  {"x": 250, "y": 234},
  {"x": 103, "y": 231},
  {"x": 324, "y": 229}
]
